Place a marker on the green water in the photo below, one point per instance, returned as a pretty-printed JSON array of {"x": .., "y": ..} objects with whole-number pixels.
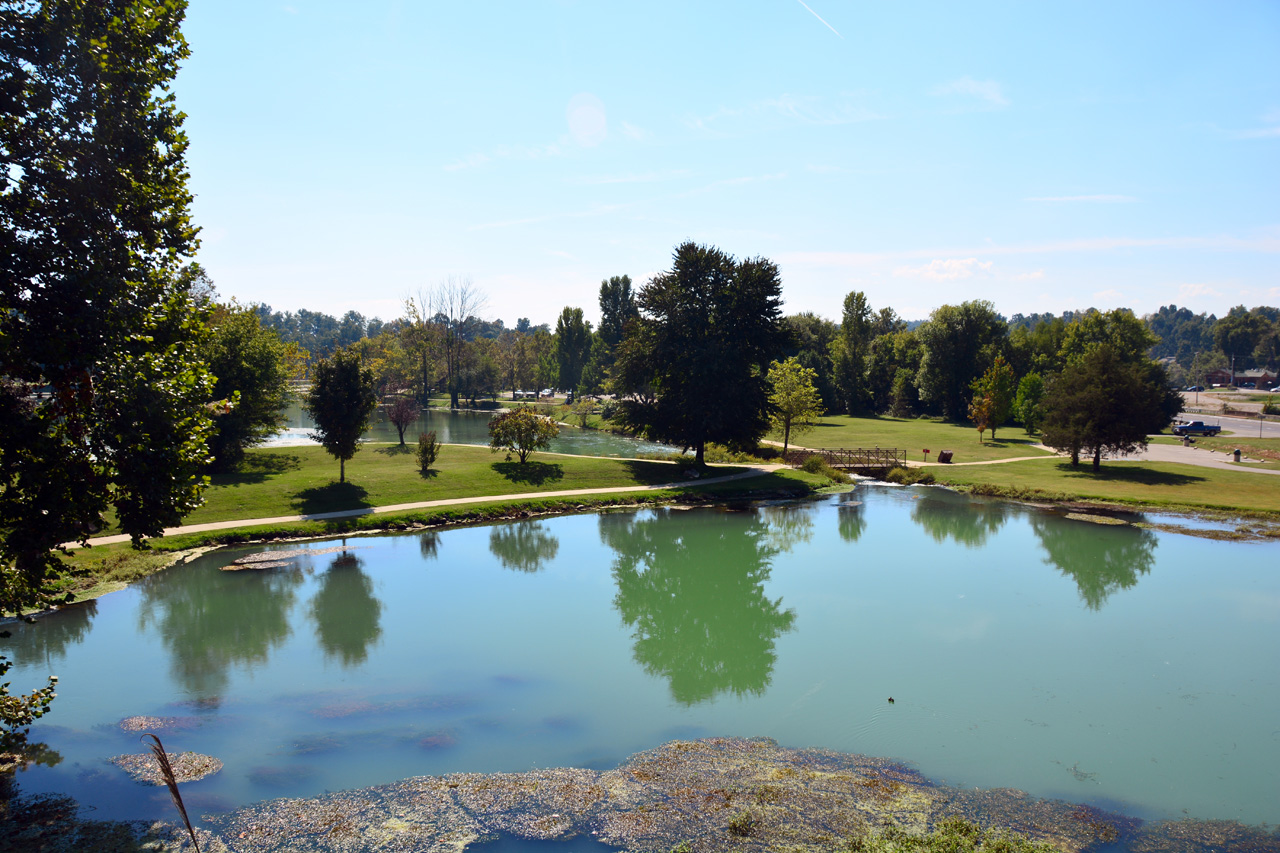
[
  {"x": 1115, "y": 666},
  {"x": 471, "y": 428}
]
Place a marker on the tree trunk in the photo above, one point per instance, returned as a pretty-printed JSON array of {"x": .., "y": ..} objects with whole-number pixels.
[
  {"x": 342, "y": 470},
  {"x": 1075, "y": 456},
  {"x": 1097, "y": 458},
  {"x": 786, "y": 436},
  {"x": 698, "y": 454}
]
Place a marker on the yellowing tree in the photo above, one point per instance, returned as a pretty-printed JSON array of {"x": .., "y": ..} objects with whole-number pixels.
[
  {"x": 993, "y": 397},
  {"x": 793, "y": 397}
]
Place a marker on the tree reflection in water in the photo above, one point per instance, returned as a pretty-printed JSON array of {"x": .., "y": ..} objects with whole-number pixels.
[
  {"x": 523, "y": 546},
  {"x": 211, "y": 620},
  {"x": 1100, "y": 558},
  {"x": 429, "y": 544},
  {"x": 346, "y": 613},
  {"x": 46, "y": 640},
  {"x": 945, "y": 515},
  {"x": 694, "y": 594},
  {"x": 789, "y": 525},
  {"x": 851, "y": 520}
]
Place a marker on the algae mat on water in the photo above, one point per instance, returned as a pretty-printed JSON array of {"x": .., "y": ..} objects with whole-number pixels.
[{"x": 718, "y": 794}]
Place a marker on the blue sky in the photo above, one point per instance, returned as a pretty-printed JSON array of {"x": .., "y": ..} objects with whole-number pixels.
[{"x": 1042, "y": 156}]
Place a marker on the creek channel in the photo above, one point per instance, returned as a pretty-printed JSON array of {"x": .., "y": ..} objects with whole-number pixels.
[{"x": 1112, "y": 665}]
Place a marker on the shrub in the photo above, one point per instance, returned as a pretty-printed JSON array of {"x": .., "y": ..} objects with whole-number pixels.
[
  {"x": 428, "y": 450},
  {"x": 817, "y": 465},
  {"x": 608, "y": 409},
  {"x": 909, "y": 477}
]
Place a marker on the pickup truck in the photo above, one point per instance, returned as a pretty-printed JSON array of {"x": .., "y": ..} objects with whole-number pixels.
[{"x": 1196, "y": 428}]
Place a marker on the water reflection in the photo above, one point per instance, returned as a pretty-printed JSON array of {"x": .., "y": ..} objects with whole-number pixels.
[
  {"x": 694, "y": 595},
  {"x": 211, "y": 620},
  {"x": 1100, "y": 560},
  {"x": 429, "y": 544},
  {"x": 851, "y": 520},
  {"x": 789, "y": 524},
  {"x": 346, "y": 613},
  {"x": 944, "y": 516},
  {"x": 523, "y": 546},
  {"x": 46, "y": 640}
]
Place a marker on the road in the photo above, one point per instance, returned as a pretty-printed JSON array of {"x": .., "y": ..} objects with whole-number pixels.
[{"x": 1243, "y": 427}]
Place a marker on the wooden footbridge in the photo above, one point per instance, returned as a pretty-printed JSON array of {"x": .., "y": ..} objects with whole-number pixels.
[{"x": 860, "y": 460}]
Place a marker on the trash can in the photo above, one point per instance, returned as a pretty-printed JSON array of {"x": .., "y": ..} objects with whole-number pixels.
[
  {"x": 944, "y": 455},
  {"x": 1236, "y": 454}
]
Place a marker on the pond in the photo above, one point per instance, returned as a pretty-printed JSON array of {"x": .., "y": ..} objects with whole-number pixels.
[
  {"x": 1109, "y": 665},
  {"x": 470, "y": 428}
]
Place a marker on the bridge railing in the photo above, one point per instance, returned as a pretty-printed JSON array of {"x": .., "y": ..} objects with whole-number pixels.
[{"x": 858, "y": 457}]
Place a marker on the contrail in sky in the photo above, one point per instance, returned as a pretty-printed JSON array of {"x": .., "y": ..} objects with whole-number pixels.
[{"x": 819, "y": 17}]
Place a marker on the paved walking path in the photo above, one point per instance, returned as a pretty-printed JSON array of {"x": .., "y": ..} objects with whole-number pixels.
[{"x": 755, "y": 471}]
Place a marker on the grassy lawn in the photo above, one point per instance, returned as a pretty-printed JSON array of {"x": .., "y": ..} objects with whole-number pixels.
[
  {"x": 302, "y": 480},
  {"x": 1154, "y": 483},
  {"x": 915, "y": 434}
]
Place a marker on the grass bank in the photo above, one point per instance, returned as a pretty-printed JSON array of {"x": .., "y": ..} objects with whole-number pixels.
[
  {"x": 914, "y": 435},
  {"x": 1155, "y": 484},
  {"x": 304, "y": 480},
  {"x": 104, "y": 568}
]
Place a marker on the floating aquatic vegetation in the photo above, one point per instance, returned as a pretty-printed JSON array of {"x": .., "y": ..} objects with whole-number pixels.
[
  {"x": 187, "y": 767},
  {"x": 1096, "y": 519},
  {"x": 146, "y": 724},
  {"x": 281, "y": 559},
  {"x": 718, "y": 794}
]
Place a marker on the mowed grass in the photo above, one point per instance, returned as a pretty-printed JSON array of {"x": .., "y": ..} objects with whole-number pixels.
[
  {"x": 1267, "y": 449},
  {"x": 914, "y": 435},
  {"x": 304, "y": 480},
  {"x": 1154, "y": 483}
]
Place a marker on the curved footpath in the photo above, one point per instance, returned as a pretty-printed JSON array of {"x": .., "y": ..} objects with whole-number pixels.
[{"x": 755, "y": 471}]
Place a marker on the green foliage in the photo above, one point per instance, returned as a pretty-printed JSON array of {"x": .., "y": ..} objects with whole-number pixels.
[
  {"x": 793, "y": 397},
  {"x": 958, "y": 342},
  {"x": 992, "y": 397},
  {"x": 816, "y": 464},
  {"x": 250, "y": 369},
  {"x": 1271, "y": 406},
  {"x": 341, "y": 401},
  {"x": 909, "y": 477},
  {"x": 1103, "y": 403},
  {"x": 849, "y": 353},
  {"x": 1027, "y": 405},
  {"x": 583, "y": 410},
  {"x": 95, "y": 313},
  {"x": 693, "y": 365},
  {"x": 428, "y": 450},
  {"x": 17, "y": 713},
  {"x": 617, "y": 309},
  {"x": 573, "y": 347},
  {"x": 812, "y": 337},
  {"x": 521, "y": 431}
]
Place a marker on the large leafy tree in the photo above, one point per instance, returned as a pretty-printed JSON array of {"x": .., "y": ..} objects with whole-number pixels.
[
  {"x": 959, "y": 342},
  {"x": 251, "y": 371},
  {"x": 341, "y": 400},
  {"x": 617, "y": 308},
  {"x": 521, "y": 431},
  {"x": 849, "y": 352},
  {"x": 102, "y": 392},
  {"x": 1103, "y": 402},
  {"x": 993, "y": 397},
  {"x": 707, "y": 331},
  {"x": 573, "y": 347}
]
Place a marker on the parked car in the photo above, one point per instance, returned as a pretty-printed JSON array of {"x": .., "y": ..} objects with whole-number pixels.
[{"x": 1195, "y": 387}]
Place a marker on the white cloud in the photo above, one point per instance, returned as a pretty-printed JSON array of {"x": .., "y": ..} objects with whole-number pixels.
[
  {"x": 1271, "y": 131},
  {"x": 588, "y": 124},
  {"x": 1111, "y": 295},
  {"x": 1035, "y": 275},
  {"x": 470, "y": 161},
  {"x": 845, "y": 108},
  {"x": 819, "y": 17},
  {"x": 639, "y": 134},
  {"x": 644, "y": 178},
  {"x": 1110, "y": 199},
  {"x": 556, "y": 253},
  {"x": 1191, "y": 291},
  {"x": 948, "y": 270},
  {"x": 985, "y": 90}
]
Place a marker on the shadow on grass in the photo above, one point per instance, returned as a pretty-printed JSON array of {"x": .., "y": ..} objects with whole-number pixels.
[
  {"x": 1134, "y": 474},
  {"x": 647, "y": 473},
  {"x": 395, "y": 450},
  {"x": 533, "y": 473},
  {"x": 331, "y": 498},
  {"x": 256, "y": 467}
]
